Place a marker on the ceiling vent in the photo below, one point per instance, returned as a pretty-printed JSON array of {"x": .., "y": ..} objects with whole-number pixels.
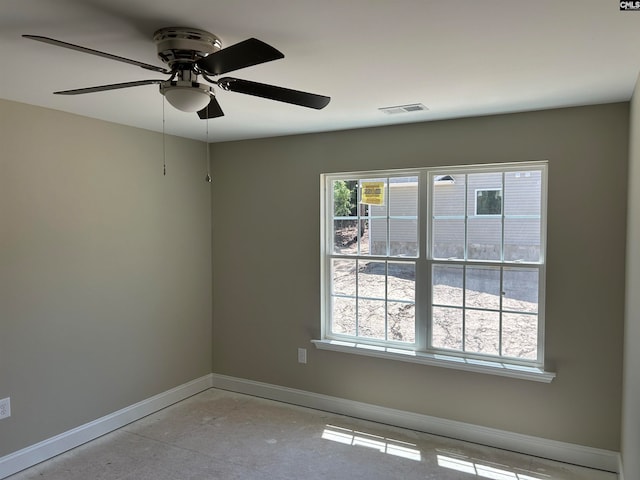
[{"x": 413, "y": 107}]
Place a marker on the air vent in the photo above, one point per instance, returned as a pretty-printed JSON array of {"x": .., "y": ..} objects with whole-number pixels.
[{"x": 414, "y": 107}]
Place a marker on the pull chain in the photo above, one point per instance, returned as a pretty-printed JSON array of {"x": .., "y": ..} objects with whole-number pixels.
[
  {"x": 208, "y": 177},
  {"x": 164, "y": 143}
]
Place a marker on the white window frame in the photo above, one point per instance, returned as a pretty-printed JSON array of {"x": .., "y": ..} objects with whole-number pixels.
[{"x": 422, "y": 352}]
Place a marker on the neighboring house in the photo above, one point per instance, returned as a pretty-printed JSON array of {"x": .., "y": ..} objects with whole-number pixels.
[
  {"x": 402, "y": 198},
  {"x": 488, "y": 197}
]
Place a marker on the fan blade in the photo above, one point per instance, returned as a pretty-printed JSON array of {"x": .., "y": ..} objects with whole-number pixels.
[
  {"x": 212, "y": 110},
  {"x": 91, "y": 51},
  {"x": 103, "y": 88},
  {"x": 244, "y": 54},
  {"x": 272, "y": 92}
]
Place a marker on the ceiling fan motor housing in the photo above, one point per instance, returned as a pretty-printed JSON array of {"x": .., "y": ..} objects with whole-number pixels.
[{"x": 177, "y": 45}]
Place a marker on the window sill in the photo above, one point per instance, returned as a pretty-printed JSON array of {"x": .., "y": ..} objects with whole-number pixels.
[{"x": 439, "y": 360}]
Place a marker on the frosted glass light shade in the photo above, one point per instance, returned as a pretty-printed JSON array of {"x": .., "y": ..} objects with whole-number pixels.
[{"x": 187, "y": 99}]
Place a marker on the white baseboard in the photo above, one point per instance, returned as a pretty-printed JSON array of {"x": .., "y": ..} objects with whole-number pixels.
[
  {"x": 27, "y": 457},
  {"x": 564, "y": 452},
  {"x": 540, "y": 447}
]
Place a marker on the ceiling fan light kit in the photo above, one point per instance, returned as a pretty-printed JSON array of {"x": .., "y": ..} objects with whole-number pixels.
[
  {"x": 191, "y": 53},
  {"x": 186, "y": 96},
  {"x": 186, "y": 93}
]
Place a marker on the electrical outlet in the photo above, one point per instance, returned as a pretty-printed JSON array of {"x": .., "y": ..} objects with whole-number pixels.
[
  {"x": 302, "y": 355},
  {"x": 5, "y": 407}
]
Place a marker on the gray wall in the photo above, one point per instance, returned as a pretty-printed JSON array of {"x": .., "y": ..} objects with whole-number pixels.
[
  {"x": 631, "y": 399},
  {"x": 267, "y": 269},
  {"x": 105, "y": 269}
]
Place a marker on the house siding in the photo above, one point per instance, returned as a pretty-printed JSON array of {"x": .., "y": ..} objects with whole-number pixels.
[{"x": 521, "y": 204}]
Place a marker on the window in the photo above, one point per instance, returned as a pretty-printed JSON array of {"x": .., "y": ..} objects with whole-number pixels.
[
  {"x": 489, "y": 202},
  {"x": 372, "y": 258},
  {"x": 440, "y": 262}
]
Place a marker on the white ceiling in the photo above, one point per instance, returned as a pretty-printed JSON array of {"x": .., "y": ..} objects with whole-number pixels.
[{"x": 457, "y": 57}]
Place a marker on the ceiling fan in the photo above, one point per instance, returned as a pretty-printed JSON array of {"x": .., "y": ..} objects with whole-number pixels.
[{"x": 190, "y": 53}]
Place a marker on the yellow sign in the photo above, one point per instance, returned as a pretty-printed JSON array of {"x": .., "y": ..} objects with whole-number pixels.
[{"x": 372, "y": 193}]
